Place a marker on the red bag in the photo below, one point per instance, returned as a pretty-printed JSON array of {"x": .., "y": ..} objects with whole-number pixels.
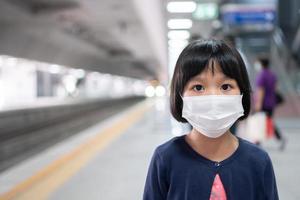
[{"x": 270, "y": 127}]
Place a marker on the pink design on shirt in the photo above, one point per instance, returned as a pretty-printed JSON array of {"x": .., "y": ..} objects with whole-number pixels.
[{"x": 217, "y": 190}]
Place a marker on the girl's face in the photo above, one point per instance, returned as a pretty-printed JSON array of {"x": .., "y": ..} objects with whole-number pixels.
[{"x": 209, "y": 83}]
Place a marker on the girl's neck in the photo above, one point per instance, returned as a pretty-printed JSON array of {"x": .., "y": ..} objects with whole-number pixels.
[{"x": 215, "y": 149}]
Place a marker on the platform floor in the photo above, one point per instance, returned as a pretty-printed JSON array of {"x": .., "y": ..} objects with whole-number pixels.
[{"x": 110, "y": 160}]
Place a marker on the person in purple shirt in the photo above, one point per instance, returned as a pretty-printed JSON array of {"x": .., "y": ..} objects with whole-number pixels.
[{"x": 266, "y": 98}]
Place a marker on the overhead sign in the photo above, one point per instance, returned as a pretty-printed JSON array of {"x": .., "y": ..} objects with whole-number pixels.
[{"x": 248, "y": 14}]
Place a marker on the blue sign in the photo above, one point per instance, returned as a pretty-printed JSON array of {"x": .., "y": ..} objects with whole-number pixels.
[{"x": 249, "y": 17}]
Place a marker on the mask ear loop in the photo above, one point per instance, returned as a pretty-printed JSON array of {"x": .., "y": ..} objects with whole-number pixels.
[{"x": 181, "y": 96}]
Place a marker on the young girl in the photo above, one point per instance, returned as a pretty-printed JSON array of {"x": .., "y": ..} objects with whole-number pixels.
[{"x": 210, "y": 90}]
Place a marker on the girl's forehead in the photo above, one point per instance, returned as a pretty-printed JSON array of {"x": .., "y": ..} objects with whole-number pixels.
[{"x": 211, "y": 71}]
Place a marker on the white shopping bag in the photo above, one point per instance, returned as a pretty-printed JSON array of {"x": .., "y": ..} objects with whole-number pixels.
[{"x": 254, "y": 128}]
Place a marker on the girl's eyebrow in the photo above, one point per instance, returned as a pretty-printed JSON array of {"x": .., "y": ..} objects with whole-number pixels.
[
  {"x": 199, "y": 79},
  {"x": 203, "y": 78}
]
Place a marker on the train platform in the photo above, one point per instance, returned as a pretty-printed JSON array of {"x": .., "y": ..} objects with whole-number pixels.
[{"x": 110, "y": 159}]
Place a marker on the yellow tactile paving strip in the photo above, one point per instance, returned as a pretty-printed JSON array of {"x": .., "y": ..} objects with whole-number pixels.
[{"x": 50, "y": 178}]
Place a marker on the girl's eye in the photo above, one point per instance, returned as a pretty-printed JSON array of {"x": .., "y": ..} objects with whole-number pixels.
[
  {"x": 198, "y": 88},
  {"x": 226, "y": 87}
]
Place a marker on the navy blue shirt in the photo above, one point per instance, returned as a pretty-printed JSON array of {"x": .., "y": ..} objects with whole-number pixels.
[{"x": 177, "y": 172}]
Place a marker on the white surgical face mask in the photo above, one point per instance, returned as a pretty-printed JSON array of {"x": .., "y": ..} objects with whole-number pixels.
[{"x": 212, "y": 115}]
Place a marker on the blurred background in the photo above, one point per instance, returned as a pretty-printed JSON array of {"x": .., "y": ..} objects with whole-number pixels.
[{"x": 74, "y": 72}]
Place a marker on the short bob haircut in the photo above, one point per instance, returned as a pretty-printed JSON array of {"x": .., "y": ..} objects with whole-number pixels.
[{"x": 195, "y": 58}]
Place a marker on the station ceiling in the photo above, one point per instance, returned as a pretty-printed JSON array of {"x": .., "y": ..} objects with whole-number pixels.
[{"x": 109, "y": 36}]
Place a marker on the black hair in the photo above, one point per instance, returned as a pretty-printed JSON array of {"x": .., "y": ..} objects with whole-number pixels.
[
  {"x": 264, "y": 62},
  {"x": 194, "y": 58}
]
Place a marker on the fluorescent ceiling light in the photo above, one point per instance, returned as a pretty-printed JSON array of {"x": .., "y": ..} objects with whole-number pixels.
[
  {"x": 177, "y": 43},
  {"x": 150, "y": 91},
  {"x": 1, "y": 60},
  {"x": 181, "y": 34},
  {"x": 181, "y": 7},
  {"x": 206, "y": 11},
  {"x": 54, "y": 69},
  {"x": 79, "y": 73},
  {"x": 175, "y": 51},
  {"x": 160, "y": 91},
  {"x": 180, "y": 23}
]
